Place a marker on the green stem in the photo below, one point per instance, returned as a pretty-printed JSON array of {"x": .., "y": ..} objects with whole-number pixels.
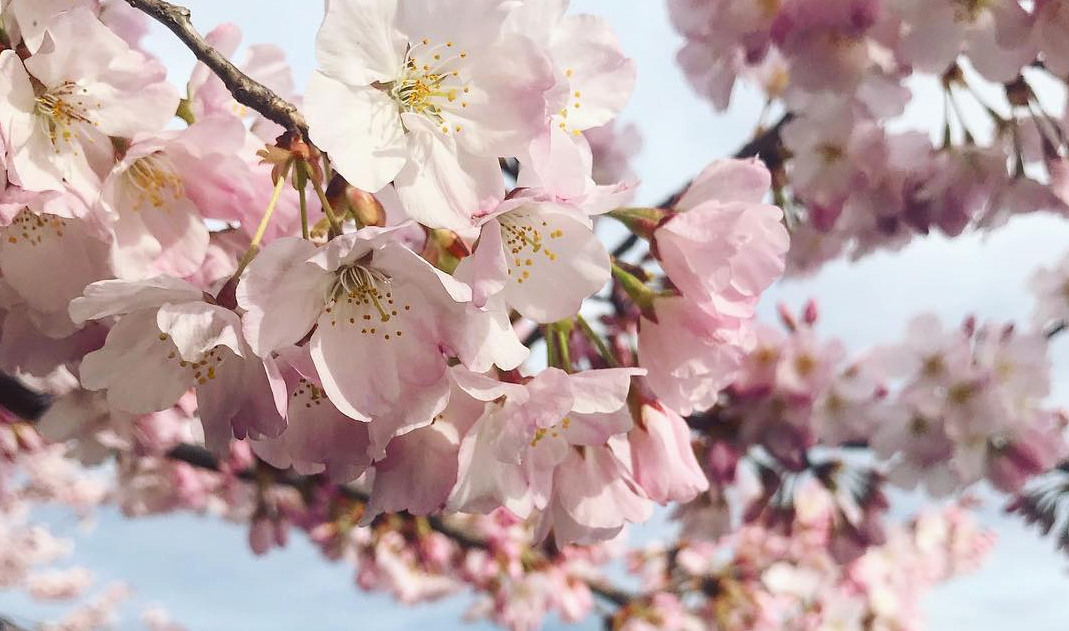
[
  {"x": 552, "y": 356},
  {"x": 304, "y": 212},
  {"x": 254, "y": 247},
  {"x": 328, "y": 210},
  {"x": 563, "y": 330},
  {"x": 599, "y": 342},
  {"x": 185, "y": 112}
]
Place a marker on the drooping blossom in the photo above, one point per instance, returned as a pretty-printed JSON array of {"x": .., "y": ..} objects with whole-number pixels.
[{"x": 168, "y": 340}]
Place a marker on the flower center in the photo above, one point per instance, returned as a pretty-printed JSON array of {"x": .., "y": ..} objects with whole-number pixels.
[
  {"x": 155, "y": 180},
  {"x": 969, "y": 10},
  {"x": 63, "y": 110},
  {"x": 363, "y": 297},
  {"x": 524, "y": 241},
  {"x": 204, "y": 369},
  {"x": 429, "y": 82},
  {"x": 552, "y": 431}
]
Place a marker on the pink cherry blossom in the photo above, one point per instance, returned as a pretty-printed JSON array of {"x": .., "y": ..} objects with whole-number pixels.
[
  {"x": 444, "y": 101},
  {"x": 690, "y": 354},
  {"x": 725, "y": 247},
  {"x": 92, "y": 86},
  {"x": 169, "y": 340},
  {"x": 542, "y": 259},
  {"x": 662, "y": 457},
  {"x": 157, "y": 197},
  {"x": 368, "y": 296}
]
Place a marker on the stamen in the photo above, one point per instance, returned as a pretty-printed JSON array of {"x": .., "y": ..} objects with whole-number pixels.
[{"x": 155, "y": 179}]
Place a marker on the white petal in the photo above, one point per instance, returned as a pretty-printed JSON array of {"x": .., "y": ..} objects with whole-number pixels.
[
  {"x": 601, "y": 78},
  {"x": 602, "y": 390},
  {"x": 360, "y": 127},
  {"x": 358, "y": 43},
  {"x": 506, "y": 102},
  {"x": 556, "y": 262},
  {"x": 197, "y": 328},
  {"x": 282, "y": 295},
  {"x": 114, "y": 297},
  {"x": 141, "y": 372},
  {"x": 441, "y": 188}
]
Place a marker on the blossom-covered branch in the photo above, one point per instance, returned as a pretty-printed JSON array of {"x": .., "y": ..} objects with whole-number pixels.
[{"x": 351, "y": 357}]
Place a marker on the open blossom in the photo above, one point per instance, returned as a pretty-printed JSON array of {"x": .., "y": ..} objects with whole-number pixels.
[
  {"x": 995, "y": 35},
  {"x": 594, "y": 81},
  {"x": 168, "y": 340},
  {"x": 368, "y": 296},
  {"x": 427, "y": 95},
  {"x": 87, "y": 85},
  {"x": 157, "y": 196},
  {"x": 541, "y": 258}
]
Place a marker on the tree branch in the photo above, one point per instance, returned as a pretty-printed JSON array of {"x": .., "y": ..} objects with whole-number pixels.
[
  {"x": 7, "y": 624},
  {"x": 201, "y": 458},
  {"x": 244, "y": 89}
]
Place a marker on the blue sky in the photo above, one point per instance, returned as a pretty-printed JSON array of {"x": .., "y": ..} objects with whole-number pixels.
[{"x": 201, "y": 570}]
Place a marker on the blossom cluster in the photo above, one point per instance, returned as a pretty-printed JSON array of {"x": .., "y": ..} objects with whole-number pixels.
[
  {"x": 764, "y": 579},
  {"x": 327, "y": 322},
  {"x": 360, "y": 344},
  {"x": 845, "y": 72}
]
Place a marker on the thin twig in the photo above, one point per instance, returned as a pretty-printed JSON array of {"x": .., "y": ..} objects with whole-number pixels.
[
  {"x": 7, "y": 624},
  {"x": 244, "y": 89}
]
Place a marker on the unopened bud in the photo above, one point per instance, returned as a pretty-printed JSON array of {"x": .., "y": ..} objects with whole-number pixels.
[
  {"x": 810, "y": 314},
  {"x": 366, "y": 208},
  {"x": 787, "y": 317}
]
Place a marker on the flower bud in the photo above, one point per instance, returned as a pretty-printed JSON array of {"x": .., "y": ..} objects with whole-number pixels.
[{"x": 366, "y": 208}]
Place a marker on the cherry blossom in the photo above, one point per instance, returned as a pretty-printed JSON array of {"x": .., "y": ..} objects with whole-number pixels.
[
  {"x": 396, "y": 327},
  {"x": 92, "y": 86},
  {"x": 434, "y": 100}
]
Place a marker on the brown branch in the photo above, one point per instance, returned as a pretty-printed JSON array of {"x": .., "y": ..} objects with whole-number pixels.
[
  {"x": 201, "y": 458},
  {"x": 244, "y": 89},
  {"x": 7, "y": 624}
]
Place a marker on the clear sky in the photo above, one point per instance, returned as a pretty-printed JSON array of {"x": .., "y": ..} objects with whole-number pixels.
[{"x": 201, "y": 570}]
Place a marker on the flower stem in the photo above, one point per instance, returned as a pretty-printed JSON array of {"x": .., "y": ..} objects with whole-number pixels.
[
  {"x": 563, "y": 331},
  {"x": 254, "y": 247},
  {"x": 595, "y": 339},
  {"x": 636, "y": 289},
  {"x": 304, "y": 212},
  {"x": 328, "y": 210},
  {"x": 552, "y": 356}
]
